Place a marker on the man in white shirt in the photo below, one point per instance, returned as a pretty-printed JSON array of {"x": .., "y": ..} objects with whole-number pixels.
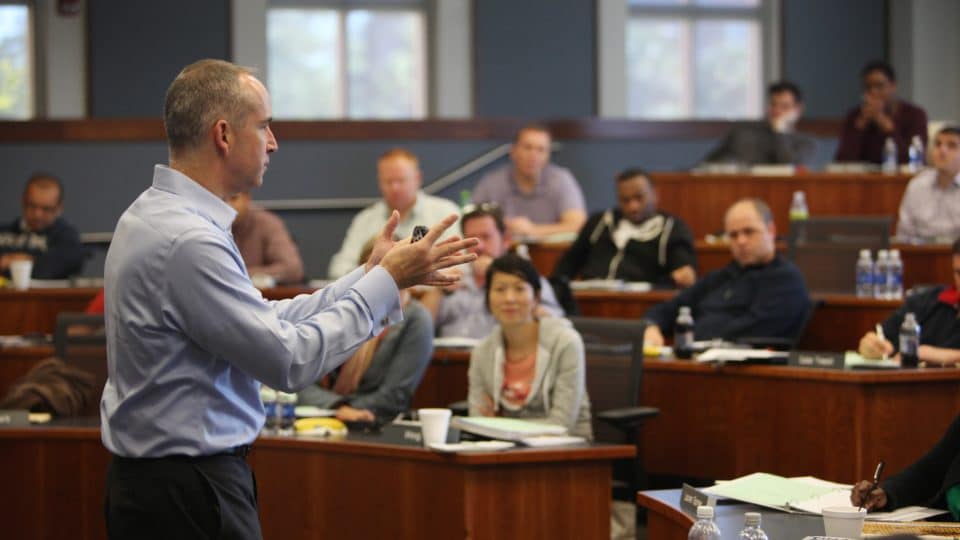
[
  {"x": 398, "y": 175},
  {"x": 930, "y": 209}
]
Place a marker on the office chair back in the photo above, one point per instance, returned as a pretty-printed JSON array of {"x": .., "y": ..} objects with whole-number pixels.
[
  {"x": 826, "y": 248},
  {"x": 614, "y": 358},
  {"x": 80, "y": 341}
]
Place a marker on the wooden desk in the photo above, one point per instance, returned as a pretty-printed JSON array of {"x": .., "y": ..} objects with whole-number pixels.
[
  {"x": 667, "y": 521},
  {"x": 922, "y": 265},
  {"x": 837, "y": 325},
  {"x": 35, "y": 310},
  {"x": 329, "y": 489},
  {"x": 701, "y": 200},
  {"x": 724, "y": 422}
]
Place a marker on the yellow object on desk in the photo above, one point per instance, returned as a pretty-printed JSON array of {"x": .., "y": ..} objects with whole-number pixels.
[
  {"x": 325, "y": 427},
  {"x": 925, "y": 528}
]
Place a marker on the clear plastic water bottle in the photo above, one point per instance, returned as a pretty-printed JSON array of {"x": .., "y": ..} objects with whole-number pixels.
[
  {"x": 895, "y": 276},
  {"x": 864, "y": 274},
  {"x": 683, "y": 334},
  {"x": 889, "y": 165},
  {"x": 704, "y": 528},
  {"x": 269, "y": 398},
  {"x": 909, "y": 341},
  {"x": 798, "y": 207},
  {"x": 880, "y": 274},
  {"x": 751, "y": 529},
  {"x": 916, "y": 154},
  {"x": 287, "y": 404}
]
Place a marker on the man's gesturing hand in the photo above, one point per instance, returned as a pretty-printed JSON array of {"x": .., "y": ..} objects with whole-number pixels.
[{"x": 420, "y": 263}]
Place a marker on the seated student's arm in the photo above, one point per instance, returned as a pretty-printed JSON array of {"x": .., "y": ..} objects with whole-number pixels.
[
  {"x": 941, "y": 356},
  {"x": 921, "y": 481},
  {"x": 408, "y": 359},
  {"x": 569, "y": 385},
  {"x": 850, "y": 138},
  {"x": 480, "y": 381},
  {"x": 576, "y": 256},
  {"x": 662, "y": 316},
  {"x": 681, "y": 255},
  {"x": 570, "y": 221},
  {"x": 872, "y": 346}
]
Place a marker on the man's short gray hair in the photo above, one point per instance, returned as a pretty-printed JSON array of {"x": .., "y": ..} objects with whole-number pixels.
[{"x": 204, "y": 92}]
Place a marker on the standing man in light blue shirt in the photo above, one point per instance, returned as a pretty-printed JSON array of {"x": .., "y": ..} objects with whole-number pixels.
[{"x": 189, "y": 337}]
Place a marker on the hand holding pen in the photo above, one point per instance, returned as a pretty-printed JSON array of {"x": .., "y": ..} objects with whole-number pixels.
[{"x": 869, "y": 495}]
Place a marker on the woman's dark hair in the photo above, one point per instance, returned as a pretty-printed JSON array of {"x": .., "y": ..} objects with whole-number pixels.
[{"x": 514, "y": 265}]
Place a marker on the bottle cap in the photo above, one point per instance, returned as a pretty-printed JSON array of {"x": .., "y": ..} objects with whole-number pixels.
[
  {"x": 910, "y": 317},
  {"x": 267, "y": 393},
  {"x": 864, "y": 253},
  {"x": 704, "y": 512},
  {"x": 752, "y": 519},
  {"x": 895, "y": 253},
  {"x": 883, "y": 254},
  {"x": 684, "y": 310}
]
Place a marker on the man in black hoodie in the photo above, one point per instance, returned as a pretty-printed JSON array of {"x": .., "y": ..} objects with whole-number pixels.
[
  {"x": 41, "y": 235},
  {"x": 633, "y": 242}
]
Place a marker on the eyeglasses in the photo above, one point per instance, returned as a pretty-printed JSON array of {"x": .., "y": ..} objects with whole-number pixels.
[{"x": 488, "y": 208}]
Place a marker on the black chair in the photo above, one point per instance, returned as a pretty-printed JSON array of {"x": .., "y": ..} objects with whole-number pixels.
[
  {"x": 614, "y": 355},
  {"x": 79, "y": 340},
  {"x": 826, "y": 248}
]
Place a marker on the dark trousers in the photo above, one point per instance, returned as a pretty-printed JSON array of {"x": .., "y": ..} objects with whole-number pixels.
[{"x": 181, "y": 497}]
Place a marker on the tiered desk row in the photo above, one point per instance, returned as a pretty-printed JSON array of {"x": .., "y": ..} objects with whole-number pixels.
[{"x": 715, "y": 422}]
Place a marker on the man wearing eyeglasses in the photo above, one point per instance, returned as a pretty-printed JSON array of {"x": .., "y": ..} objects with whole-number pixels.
[
  {"x": 460, "y": 310},
  {"x": 41, "y": 235}
]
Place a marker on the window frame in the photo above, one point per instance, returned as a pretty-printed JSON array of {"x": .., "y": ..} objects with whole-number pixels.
[
  {"x": 613, "y": 17},
  {"x": 426, "y": 9},
  {"x": 34, "y": 48}
]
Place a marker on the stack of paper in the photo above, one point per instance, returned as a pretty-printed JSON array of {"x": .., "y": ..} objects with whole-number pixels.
[
  {"x": 804, "y": 494},
  {"x": 510, "y": 429},
  {"x": 740, "y": 355}
]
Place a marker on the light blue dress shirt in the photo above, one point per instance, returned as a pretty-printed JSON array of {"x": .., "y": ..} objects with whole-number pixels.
[{"x": 189, "y": 337}]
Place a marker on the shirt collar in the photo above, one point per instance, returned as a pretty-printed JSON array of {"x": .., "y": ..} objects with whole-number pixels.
[{"x": 209, "y": 205}]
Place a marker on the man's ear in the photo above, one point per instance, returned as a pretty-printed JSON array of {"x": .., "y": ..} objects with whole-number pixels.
[{"x": 222, "y": 135}]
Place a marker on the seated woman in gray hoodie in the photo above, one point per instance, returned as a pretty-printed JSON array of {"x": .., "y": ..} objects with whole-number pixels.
[{"x": 528, "y": 367}]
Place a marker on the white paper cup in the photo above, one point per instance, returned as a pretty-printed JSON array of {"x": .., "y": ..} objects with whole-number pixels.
[
  {"x": 20, "y": 274},
  {"x": 434, "y": 423},
  {"x": 843, "y": 521}
]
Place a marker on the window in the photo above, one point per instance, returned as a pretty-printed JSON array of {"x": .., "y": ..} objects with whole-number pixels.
[
  {"x": 16, "y": 62},
  {"x": 334, "y": 62},
  {"x": 695, "y": 59}
]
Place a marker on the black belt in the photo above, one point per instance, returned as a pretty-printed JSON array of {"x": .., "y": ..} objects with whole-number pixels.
[{"x": 241, "y": 452}]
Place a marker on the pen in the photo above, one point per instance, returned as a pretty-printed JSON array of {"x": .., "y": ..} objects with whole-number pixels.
[
  {"x": 876, "y": 483},
  {"x": 882, "y": 338}
]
